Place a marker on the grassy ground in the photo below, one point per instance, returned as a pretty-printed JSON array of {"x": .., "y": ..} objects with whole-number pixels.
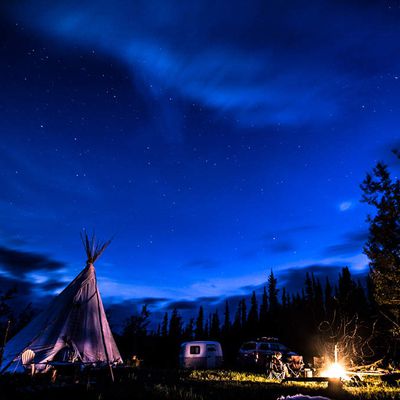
[{"x": 181, "y": 385}]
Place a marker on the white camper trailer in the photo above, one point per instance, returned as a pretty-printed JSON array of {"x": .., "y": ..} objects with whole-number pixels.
[{"x": 200, "y": 354}]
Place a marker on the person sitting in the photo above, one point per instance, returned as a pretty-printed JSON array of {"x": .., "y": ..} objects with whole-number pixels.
[{"x": 278, "y": 369}]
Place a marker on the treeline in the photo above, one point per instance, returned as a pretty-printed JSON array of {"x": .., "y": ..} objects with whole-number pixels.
[{"x": 310, "y": 322}]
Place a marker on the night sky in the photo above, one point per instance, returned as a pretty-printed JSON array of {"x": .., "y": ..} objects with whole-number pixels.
[{"x": 214, "y": 140}]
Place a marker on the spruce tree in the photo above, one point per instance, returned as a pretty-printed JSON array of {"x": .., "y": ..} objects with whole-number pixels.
[
  {"x": 272, "y": 293},
  {"x": 175, "y": 325},
  {"x": 189, "y": 331},
  {"x": 214, "y": 326},
  {"x": 382, "y": 192},
  {"x": 199, "y": 330},
  {"x": 252, "y": 318},
  {"x": 227, "y": 320},
  {"x": 164, "y": 326}
]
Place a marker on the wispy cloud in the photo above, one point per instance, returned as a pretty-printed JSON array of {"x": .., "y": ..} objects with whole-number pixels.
[
  {"x": 263, "y": 70},
  {"x": 351, "y": 244},
  {"x": 346, "y": 205},
  {"x": 18, "y": 263}
]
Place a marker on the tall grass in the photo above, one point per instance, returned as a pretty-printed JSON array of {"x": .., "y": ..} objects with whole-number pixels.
[{"x": 152, "y": 384}]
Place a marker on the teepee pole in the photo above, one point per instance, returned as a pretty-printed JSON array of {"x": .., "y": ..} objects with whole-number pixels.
[{"x": 102, "y": 332}]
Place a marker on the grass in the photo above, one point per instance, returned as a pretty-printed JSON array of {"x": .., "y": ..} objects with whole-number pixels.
[{"x": 152, "y": 384}]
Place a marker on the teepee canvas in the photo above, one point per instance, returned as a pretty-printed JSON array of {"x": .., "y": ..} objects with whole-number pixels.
[{"x": 74, "y": 328}]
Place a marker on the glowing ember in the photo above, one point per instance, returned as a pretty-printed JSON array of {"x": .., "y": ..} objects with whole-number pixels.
[{"x": 335, "y": 370}]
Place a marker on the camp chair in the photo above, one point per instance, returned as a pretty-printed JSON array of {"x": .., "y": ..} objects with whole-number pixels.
[
  {"x": 295, "y": 366},
  {"x": 27, "y": 358},
  {"x": 276, "y": 369}
]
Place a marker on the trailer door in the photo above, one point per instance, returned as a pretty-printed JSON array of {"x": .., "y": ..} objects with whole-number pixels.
[{"x": 211, "y": 354}]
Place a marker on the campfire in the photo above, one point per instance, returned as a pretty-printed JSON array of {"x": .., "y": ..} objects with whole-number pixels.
[{"x": 335, "y": 369}]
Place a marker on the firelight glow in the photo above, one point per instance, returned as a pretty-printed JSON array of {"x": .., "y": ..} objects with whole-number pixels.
[{"x": 335, "y": 370}]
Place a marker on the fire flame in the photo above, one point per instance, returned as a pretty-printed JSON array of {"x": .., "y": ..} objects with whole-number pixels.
[{"x": 335, "y": 370}]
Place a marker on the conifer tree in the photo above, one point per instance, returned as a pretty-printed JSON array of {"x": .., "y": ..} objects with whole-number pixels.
[
  {"x": 318, "y": 301},
  {"x": 164, "y": 326},
  {"x": 214, "y": 327},
  {"x": 272, "y": 293},
  {"x": 284, "y": 299},
  {"x": 236, "y": 327},
  {"x": 252, "y": 318},
  {"x": 227, "y": 320},
  {"x": 382, "y": 192},
  {"x": 189, "y": 330},
  {"x": 199, "y": 330},
  {"x": 175, "y": 325}
]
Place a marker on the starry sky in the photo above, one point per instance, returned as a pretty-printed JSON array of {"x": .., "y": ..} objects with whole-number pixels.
[{"x": 213, "y": 140}]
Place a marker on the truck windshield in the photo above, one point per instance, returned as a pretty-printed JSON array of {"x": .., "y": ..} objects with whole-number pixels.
[{"x": 249, "y": 346}]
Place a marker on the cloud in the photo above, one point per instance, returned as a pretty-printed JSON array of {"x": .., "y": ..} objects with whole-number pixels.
[
  {"x": 265, "y": 67},
  {"x": 23, "y": 288},
  {"x": 280, "y": 247},
  {"x": 183, "y": 305},
  {"x": 345, "y": 205},
  {"x": 208, "y": 299},
  {"x": 52, "y": 285},
  {"x": 152, "y": 300},
  {"x": 18, "y": 263},
  {"x": 293, "y": 278},
  {"x": 281, "y": 241},
  {"x": 202, "y": 263},
  {"x": 26, "y": 292},
  {"x": 352, "y": 243}
]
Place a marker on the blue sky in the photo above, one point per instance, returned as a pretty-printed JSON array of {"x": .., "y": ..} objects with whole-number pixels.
[{"x": 213, "y": 140}]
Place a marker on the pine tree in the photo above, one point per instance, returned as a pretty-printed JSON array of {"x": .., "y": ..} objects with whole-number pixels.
[
  {"x": 158, "y": 332},
  {"x": 346, "y": 292},
  {"x": 214, "y": 327},
  {"x": 318, "y": 301},
  {"x": 227, "y": 320},
  {"x": 252, "y": 318},
  {"x": 175, "y": 325},
  {"x": 309, "y": 290},
  {"x": 137, "y": 324},
  {"x": 272, "y": 293},
  {"x": 189, "y": 331},
  {"x": 199, "y": 330},
  {"x": 236, "y": 327},
  {"x": 164, "y": 326},
  {"x": 284, "y": 299},
  {"x": 382, "y": 192}
]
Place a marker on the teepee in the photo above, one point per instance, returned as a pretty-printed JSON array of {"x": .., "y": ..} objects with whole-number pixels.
[{"x": 74, "y": 328}]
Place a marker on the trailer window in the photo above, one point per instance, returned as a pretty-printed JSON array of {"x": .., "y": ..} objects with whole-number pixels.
[{"x": 194, "y": 349}]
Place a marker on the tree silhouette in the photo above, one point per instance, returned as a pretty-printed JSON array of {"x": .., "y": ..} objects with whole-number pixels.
[
  {"x": 382, "y": 192},
  {"x": 272, "y": 293},
  {"x": 199, "y": 330}
]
